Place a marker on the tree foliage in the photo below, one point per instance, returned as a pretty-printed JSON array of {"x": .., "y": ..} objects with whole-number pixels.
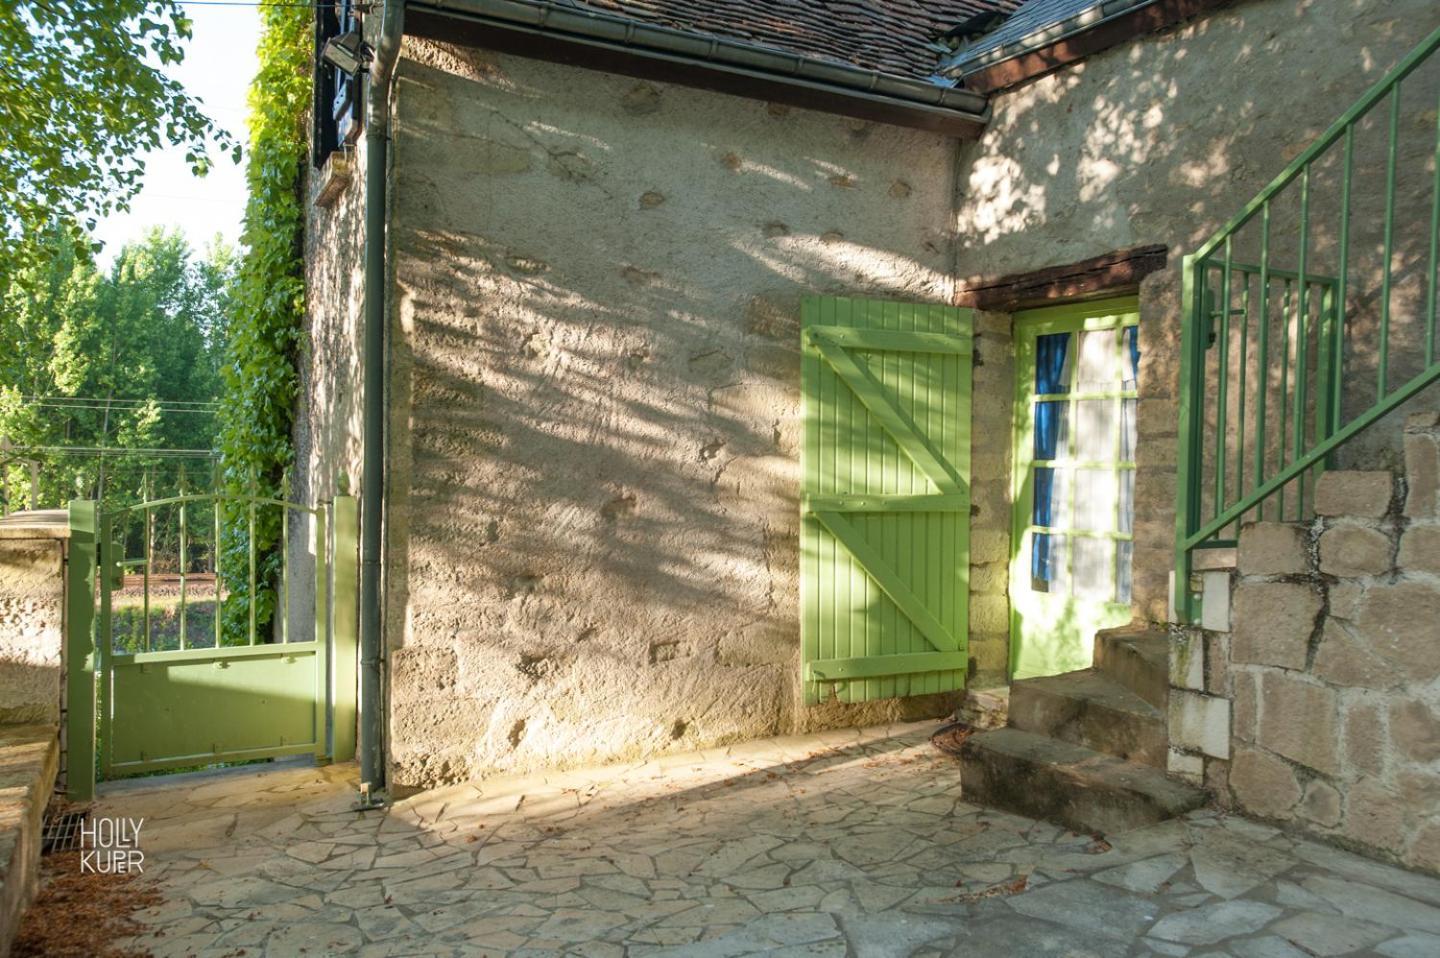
[
  {"x": 111, "y": 359},
  {"x": 260, "y": 374},
  {"x": 83, "y": 96}
]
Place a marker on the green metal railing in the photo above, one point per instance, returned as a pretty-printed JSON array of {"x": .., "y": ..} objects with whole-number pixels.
[{"x": 1271, "y": 362}]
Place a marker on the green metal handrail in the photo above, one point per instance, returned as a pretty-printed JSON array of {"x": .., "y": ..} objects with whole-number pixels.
[{"x": 1212, "y": 480}]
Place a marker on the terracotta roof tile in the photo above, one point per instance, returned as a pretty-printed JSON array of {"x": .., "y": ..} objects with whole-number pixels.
[{"x": 885, "y": 35}]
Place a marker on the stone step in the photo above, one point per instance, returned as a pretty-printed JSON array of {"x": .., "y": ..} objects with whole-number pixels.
[
  {"x": 1090, "y": 708},
  {"x": 1069, "y": 785},
  {"x": 1138, "y": 659},
  {"x": 29, "y": 760}
]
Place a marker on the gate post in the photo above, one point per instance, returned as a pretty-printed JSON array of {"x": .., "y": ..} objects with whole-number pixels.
[
  {"x": 80, "y": 565},
  {"x": 322, "y": 637},
  {"x": 346, "y": 619}
]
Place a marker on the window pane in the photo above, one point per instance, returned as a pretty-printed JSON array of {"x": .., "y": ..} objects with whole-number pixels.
[
  {"x": 1052, "y": 430},
  {"x": 1127, "y": 500},
  {"x": 1099, "y": 356},
  {"x": 1123, "y": 578},
  {"x": 1052, "y": 498},
  {"x": 1132, "y": 357},
  {"x": 1048, "y": 563},
  {"x": 1128, "y": 432},
  {"x": 1052, "y": 363},
  {"x": 1097, "y": 499},
  {"x": 1095, "y": 426},
  {"x": 1094, "y": 568}
]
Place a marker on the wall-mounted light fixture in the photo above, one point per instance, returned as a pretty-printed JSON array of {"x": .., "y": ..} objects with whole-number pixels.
[{"x": 348, "y": 52}]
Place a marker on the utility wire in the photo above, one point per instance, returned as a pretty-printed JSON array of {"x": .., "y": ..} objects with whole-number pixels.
[
  {"x": 78, "y": 407},
  {"x": 116, "y": 451},
  {"x": 100, "y": 402}
]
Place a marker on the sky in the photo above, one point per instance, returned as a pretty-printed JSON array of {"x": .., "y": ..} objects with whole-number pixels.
[{"x": 219, "y": 64}]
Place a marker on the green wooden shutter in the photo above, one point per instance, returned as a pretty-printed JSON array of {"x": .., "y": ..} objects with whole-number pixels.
[{"x": 885, "y": 528}]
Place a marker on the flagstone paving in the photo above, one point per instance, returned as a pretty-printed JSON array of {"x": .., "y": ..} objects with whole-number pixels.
[{"x": 845, "y": 844}]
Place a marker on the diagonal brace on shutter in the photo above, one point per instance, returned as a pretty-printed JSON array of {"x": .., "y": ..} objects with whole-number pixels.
[
  {"x": 833, "y": 345},
  {"x": 891, "y": 584}
]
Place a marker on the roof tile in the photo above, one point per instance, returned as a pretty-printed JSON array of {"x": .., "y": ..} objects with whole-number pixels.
[{"x": 889, "y": 36}]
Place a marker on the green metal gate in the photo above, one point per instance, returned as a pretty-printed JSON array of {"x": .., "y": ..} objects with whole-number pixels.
[{"x": 176, "y": 659}]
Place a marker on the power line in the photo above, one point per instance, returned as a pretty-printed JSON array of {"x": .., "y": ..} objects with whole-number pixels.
[
  {"x": 80, "y": 407},
  {"x": 104, "y": 451},
  {"x": 101, "y": 402}
]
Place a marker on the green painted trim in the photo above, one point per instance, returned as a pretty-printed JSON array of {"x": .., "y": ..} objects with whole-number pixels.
[
  {"x": 1083, "y": 533},
  {"x": 885, "y": 503},
  {"x": 1075, "y": 397},
  {"x": 1122, "y": 465},
  {"x": 80, "y": 568},
  {"x": 1092, "y": 314},
  {"x": 878, "y": 569},
  {"x": 836, "y": 670}
]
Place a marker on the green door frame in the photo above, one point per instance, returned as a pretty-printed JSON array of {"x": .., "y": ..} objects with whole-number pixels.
[{"x": 1115, "y": 313}]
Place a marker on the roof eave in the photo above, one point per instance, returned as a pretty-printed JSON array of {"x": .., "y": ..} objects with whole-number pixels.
[
  {"x": 1097, "y": 28},
  {"x": 550, "y": 31}
]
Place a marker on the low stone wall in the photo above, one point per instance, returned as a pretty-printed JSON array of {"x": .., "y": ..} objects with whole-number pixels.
[
  {"x": 1332, "y": 666},
  {"x": 32, "y": 616},
  {"x": 29, "y": 759}
]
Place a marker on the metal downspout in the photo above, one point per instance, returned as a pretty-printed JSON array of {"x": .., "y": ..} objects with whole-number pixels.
[{"x": 372, "y": 494}]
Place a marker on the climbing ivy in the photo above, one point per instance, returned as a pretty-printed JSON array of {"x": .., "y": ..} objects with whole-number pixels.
[{"x": 260, "y": 375}]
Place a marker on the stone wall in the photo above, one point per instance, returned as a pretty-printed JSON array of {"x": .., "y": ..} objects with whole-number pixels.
[
  {"x": 595, "y": 470},
  {"x": 32, "y": 619},
  {"x": 991, "y": 409},
  {"x": 1332, "y": 666},
  {"x": 1162, "y": 141}
]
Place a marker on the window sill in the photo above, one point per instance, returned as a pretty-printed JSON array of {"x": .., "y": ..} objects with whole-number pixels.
[{"x": 335, "y": 176}]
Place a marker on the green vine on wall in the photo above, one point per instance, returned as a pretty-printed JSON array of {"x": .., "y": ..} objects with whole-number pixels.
[{"x": 261, "y": 380}]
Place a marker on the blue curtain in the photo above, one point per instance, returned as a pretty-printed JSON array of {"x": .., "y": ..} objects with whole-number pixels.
[
  {"x": 1132, "y": 339},
  {"x": 1050, "y": 353}
]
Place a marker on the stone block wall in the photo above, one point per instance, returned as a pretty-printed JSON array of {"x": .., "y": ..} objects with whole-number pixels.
[
  {"x": 1331, "y": 663},
  {"x": 32, "y": 621},
  {"x": 991, "y": 410}
]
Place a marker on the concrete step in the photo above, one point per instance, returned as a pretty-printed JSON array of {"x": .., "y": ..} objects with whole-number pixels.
[
  {"x": 1090, "y": 708},
  {"x": 1069, "y": 785},
  {"x": 1138, "y": 659}
]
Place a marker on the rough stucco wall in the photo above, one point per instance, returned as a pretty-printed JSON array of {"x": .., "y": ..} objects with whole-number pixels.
[
  {"x": 594, "y": 525},
  {"x": 327, "y": 431},
  {"x": 32, "y": 618},
  {"x": 1162, "y": 141}
]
